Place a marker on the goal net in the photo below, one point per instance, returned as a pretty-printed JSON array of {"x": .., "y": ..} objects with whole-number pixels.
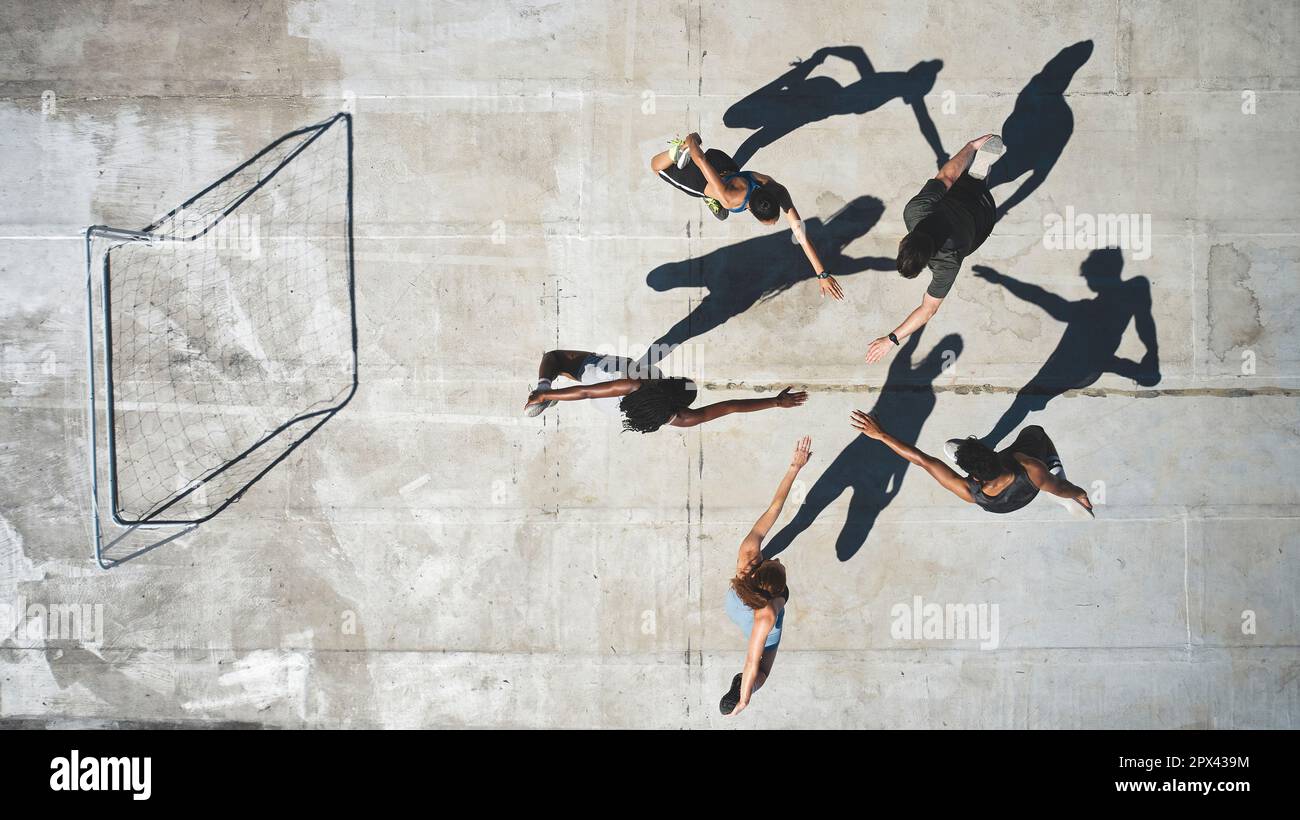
[{"x": 224, "y": 334}]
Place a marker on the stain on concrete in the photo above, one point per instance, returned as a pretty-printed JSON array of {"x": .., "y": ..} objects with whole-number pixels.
[{"x": 1232, "y": 309}]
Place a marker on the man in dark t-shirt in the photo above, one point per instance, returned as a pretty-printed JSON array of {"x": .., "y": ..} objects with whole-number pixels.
[{"x": 946, "y": 221}]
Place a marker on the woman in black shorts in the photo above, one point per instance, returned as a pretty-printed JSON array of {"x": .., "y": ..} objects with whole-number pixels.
[
  {"x": 715, "y": 177},
  {"x": 646, "y": 399},
  {"x": 1000, "y": 482}
]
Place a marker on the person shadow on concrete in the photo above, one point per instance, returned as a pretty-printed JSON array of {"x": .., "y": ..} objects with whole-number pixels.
[
  {"x": 870, "y": 469},
  {"x": 794, "y": 99},
  {"x": 739, "y": 276},
  {"x": 1094, "y": 329},
  {"x": 1039, "y": 127}
]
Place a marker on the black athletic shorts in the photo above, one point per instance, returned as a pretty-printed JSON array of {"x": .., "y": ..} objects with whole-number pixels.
[
  {"x": 691, "y": 179},
  {"x": 1033, "y": 442}
]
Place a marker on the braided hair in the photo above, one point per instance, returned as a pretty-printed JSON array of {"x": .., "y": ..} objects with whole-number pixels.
[
  {"x": 979, "y": 461},
  {"x": 655, "y": 402}
]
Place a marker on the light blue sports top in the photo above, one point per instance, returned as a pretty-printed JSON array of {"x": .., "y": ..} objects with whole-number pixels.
[{"x": 743, "y": 617}]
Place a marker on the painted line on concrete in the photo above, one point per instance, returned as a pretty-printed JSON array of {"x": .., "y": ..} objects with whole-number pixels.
[
  {"x": 648, "y": 516},
  {"x": 1187, "y": 592},
  {"x": 407, "y": 489},
  {"x": 581, "y": 94},
  {"x": 977, "y": 389}
]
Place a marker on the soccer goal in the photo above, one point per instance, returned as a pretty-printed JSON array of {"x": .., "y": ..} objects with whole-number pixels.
[{"x": 220, "y": 338}]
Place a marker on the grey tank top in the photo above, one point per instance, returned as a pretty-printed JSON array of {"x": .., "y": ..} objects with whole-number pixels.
[{"x": 1016, "y": 494}]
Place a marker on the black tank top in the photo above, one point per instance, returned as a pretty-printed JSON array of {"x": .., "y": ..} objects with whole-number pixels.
[{"x": 1014, "y": 496}]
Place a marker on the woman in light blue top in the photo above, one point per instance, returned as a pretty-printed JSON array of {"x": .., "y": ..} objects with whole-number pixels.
[{"x": 758, "y": 594}]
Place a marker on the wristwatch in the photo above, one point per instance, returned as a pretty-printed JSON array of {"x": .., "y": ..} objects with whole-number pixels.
[
  {"x": 893, "y": 338},
  {"x": 823, "y": 275}
]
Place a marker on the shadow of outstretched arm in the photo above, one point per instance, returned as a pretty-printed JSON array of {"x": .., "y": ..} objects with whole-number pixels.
[
  {"x": 669, "y": 276},
  {"x": 748, "y": 111},
  {"x": 1031, "y": 183},
  {"x": 785, "y": 537},
  {"x": 1057, "y": 307},
  {"x": 929, "y": 131},
  {"x": 852, "y": 54},
  {"x": 850, "y": 264}
]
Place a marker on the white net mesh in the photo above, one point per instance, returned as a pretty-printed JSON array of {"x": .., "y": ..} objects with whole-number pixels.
[{"x": 230, "y": 330}]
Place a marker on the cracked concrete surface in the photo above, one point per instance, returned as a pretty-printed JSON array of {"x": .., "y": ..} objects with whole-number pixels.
[{"x": 431, "y": 558}]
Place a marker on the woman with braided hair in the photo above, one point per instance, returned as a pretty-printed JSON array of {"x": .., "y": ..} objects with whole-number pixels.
[
  {"x": 758, "y": 594},
  {"x": 1000, "y": 482},
  {"x": 646, "y": 399}
]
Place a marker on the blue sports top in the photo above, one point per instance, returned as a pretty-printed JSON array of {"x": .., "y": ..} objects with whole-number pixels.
[
  {"x": 743, "y": 617},
  {"x": 750, "y": 184}
]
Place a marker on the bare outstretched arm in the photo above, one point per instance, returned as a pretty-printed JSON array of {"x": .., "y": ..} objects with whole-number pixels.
[
  {"x": 751, "y": 547},
  {"x": 827, "y": 283},
  {"x": 915, "y": 320},
  {"x": 1044, "y": 480},
  {"x": 867, "y": 425},
  {"x": 689, "y": 417}
]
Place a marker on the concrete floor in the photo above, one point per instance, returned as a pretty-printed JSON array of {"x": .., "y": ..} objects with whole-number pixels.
[{"x": 433, "y": 559}]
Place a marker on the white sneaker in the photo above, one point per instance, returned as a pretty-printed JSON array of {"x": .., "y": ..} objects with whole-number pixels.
[
  {"x": 537, "y": 409},
  {"x": 990, "y": 152},
  {"x": 679, "y": 153},
  {"x": 1077, "y": 510},
  {"x": 950, "y": 449},
  {"x": 1074, "y": 508}
]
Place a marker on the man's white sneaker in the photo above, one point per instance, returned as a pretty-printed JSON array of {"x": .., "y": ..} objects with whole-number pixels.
[{"x": 990, "y": 152}]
